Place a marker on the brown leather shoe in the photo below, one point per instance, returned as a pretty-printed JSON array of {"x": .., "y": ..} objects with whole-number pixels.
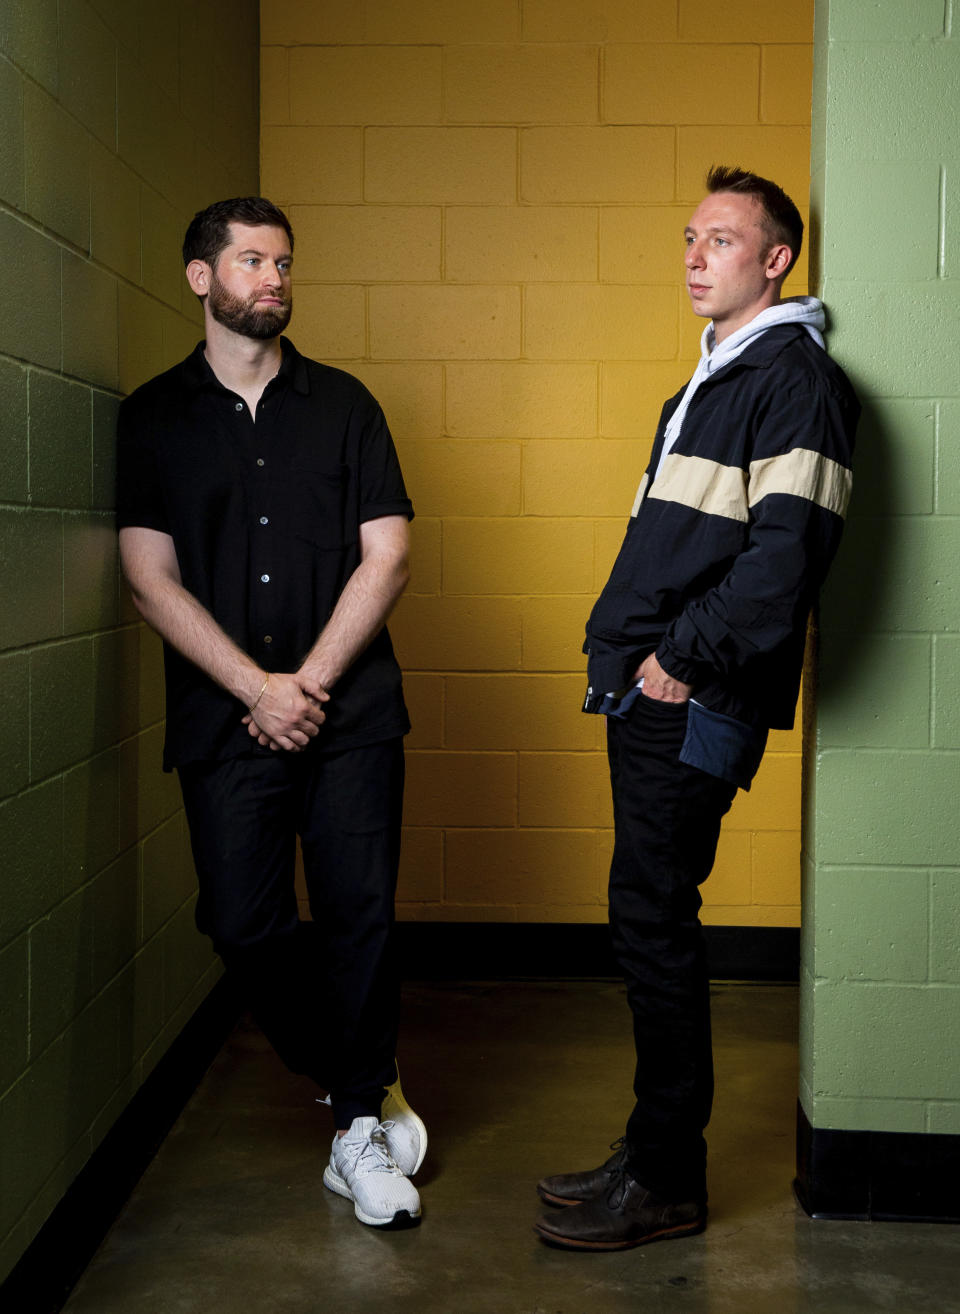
[
  {"x": 626, "y": 1215},
  {"x": 574, "y": 1188}
]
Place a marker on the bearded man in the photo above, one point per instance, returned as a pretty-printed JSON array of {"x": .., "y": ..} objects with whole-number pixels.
[{"x": 264, "y": 534}]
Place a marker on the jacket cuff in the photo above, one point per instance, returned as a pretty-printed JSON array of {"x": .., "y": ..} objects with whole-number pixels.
[{"x": 680, "y": 668}]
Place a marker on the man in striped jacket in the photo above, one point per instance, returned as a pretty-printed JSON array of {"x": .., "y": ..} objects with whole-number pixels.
[{"x": 695, "y": 648}]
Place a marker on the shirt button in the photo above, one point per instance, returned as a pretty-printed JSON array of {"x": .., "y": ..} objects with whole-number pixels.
[
  {"x": 259, "y": 460},
  {"x": 268, "y": 638},
  {"x": 239, "y": 406},
  {"x": 264, "y": 520},
  {"x": 264, "y": 579}
]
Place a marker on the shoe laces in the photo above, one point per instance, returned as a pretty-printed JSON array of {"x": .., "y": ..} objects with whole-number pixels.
[{"x": 371, "y": 1154}]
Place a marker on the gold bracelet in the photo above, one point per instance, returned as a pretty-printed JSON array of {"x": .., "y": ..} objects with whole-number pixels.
[{"x": 261, "y": 693}]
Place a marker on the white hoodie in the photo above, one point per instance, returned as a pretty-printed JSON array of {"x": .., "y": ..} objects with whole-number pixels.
[{"x": 807, "y": 311}]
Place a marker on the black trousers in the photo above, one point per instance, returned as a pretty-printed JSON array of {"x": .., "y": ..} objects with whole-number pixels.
[
  {"x": 667, "y": 822},
  {"x": 325, "y": 993}
]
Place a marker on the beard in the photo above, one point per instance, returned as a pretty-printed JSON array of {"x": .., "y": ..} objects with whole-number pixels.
[{"x": 244, "y": 317}]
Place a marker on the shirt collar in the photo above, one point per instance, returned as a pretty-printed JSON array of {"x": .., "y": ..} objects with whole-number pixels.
[{"x": 293, "y": 370}]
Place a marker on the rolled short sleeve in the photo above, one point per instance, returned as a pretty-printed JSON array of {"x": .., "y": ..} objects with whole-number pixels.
[{"x": 140, "y": 500}]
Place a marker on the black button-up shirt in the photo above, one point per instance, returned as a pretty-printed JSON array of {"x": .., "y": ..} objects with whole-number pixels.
[{"x": 265, "y": 518}]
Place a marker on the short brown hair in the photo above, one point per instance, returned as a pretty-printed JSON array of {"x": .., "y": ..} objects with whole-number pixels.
[
  {"x": 781, "y": 218},
  {"x": 209, "y": 230}
]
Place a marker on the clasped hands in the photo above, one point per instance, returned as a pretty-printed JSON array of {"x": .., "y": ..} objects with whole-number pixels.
[{"x": 288, "y": 712}]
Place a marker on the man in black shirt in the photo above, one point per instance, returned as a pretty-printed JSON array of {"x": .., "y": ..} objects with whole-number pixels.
[{"x": 264, "y": 534}]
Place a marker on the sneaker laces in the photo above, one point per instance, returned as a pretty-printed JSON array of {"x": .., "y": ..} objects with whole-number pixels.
[{"x": 372, "y": 1154}]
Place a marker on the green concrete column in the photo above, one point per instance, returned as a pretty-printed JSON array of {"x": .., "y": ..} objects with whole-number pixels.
[{"x": 880, "y": 1031}]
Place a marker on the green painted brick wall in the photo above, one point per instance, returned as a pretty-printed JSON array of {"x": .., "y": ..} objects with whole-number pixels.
[
  {"x": 880, "y": 1016},
  {"x": 119, "y": 121}
]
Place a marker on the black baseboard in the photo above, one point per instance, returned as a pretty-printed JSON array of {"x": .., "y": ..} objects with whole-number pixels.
[
  {"x": 483, "y": 951},
  {"x": 48, "y": 1270},
  {"x": 877, "y": 1176}
]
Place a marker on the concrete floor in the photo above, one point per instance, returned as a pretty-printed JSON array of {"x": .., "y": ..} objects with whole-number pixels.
[{"x": 514, "y": 1080}]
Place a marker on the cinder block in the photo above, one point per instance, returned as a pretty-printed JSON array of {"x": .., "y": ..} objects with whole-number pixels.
[
  {"x": 115, "y": 919},
  {"x": 565, "y": 789},
  {"x": 581, "y": 477},
  {"x": 599, "y": 20},
  {"x": 166, "y": 879},
  {"x": 521, "y": 84},
  {"x": 781, "y": 153},
  {"x": 661, "y": 83},
  {"x": 163, "y": 230},
  {"x": 457, "y": 634},
  {"x": 91, "y": 818},
  {"x": 743, "y": 20},
  {"x": 523, "y": 244},
  {"x": 445, "y": 322},
  {"x": 114, "y": 213},
  {"x": 30, "y": 326},
  {"x": 15, "y": 711},
  {"x": 536, "y": 713},
  {"x": 944, "y": 899},
  {"x": 517, "y": 556},
  {"x": 421, "y": 866},
  {"x": 521, "y": 400},
  {"x": 87, "y": 85},
  {"x": 31, "y": 829},
  {"x": 62, "y": 705},
  {"x": 462, "y": 476},
  {"x": 456, "y": 166},
  {"x": 874, "y": 706},
  {"x": 608, "y": 539},
  {"x": 304, "y": 22},
  {"x": 786, "y": 84},
  {"x": 615, "y": 165},
  {"x": 632, "y": 394},
  {"x": 31, "y": 546},
  {"x": 59, "y": 441},
  {"x": 643, "y": 243},
  {"x": 103, "y": 441},
  {"x": 366, "y": 243},
  {"x": 310, "y": 166},
  {"x": 441, "y": 22},
  {"x": 904, "y": 444},
  {"x": 13, "y": 427},
  {"x": 775, "y": 856},
  {"x": 140, "y": 337},
  {"x": 729, "y": 882},
  {"x": 31, "y": 39},
  {"x": 553, "y": 630},
  {"x": 592, "y": 913},
  {"x": 521, "y": 866},
  {"x": 788, "y": 741},
  {"x": 11, "y": 145},
  {"x": 599, "y": 322},
  {"x": 365, "y": 84},
  {"x": 90, "y": 572},
  {"x": 61, "y": 976},
  {"x": 410, "y": 393},
  {"x": 14, "y": 1024},
  {"x": 58, "y": 179},
  {"x": 424, "y": 696},
  {"x": 773, "y": 802},
  {"x": 331, "y": 321},
  {"x": 946, "y": 689},
  {"x": 865, "y": 221},
  {"x": 872, "y": 925},
  {"x": 275, "y": 80},
  {"x": 461, "y": 789},
  {"x": 90, "y": 320},
  {"x": 425, "y": 556}
]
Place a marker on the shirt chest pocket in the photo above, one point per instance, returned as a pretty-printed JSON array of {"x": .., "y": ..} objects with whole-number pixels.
[{"x": 320, "y": 503}]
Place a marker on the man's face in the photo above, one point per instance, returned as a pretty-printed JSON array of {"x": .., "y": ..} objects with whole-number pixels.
[
  {"x": 250, "y": 289},
  {"x": 729, "y": 279}
]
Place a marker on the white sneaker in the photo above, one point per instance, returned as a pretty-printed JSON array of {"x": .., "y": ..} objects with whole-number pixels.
[
  {"x": 407, "y": 1136},
  {"x": 362, "y": 1169}
]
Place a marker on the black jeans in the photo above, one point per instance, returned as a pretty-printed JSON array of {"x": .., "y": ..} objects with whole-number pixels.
[
  {"x": 326, "y": 993},
  {"x": 667, "y": 823}
]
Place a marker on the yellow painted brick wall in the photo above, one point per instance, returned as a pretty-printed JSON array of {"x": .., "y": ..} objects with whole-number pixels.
[{"x": 489, "y": 202}]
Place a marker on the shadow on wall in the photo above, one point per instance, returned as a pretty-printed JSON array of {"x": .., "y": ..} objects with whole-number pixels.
[{"x": 866, "y": 576}]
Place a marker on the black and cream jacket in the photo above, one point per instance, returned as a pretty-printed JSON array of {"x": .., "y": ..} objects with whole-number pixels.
[{"x": 728, "y": 545}]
